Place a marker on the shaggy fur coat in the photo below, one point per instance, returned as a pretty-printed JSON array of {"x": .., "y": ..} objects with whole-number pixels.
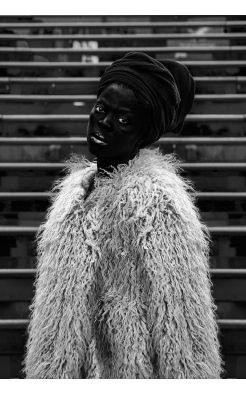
[{"x": 123, "y": 288}]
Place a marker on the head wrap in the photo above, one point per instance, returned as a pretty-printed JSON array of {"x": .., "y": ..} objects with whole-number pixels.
[{"x": 164, "y": 88}]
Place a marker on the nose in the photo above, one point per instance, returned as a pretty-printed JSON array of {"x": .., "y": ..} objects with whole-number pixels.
[{"x": 105, "y": 122}]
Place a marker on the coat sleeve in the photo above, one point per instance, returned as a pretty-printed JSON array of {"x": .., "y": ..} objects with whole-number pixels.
[
  {"x": 57, "y": 336},
  {"x": 173, "y": 248}
]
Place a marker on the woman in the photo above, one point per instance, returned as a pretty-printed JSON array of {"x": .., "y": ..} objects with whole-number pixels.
[{"x": 123, "y": 288}]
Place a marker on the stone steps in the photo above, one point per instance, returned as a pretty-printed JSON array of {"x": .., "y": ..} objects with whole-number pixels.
[{"x": 42, "y": 121}]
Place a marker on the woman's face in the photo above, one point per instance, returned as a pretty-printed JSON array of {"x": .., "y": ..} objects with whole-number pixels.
[{"x": 116, "y": 123}]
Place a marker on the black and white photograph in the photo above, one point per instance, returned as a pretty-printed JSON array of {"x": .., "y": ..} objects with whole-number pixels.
[{"x": 122, "y": 196}]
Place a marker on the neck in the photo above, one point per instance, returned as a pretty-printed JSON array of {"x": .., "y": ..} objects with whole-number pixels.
[{"x": 109, "y": 164}]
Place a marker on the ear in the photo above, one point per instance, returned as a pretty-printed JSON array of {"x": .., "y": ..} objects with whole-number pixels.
[{"x": 142, "y": 136}]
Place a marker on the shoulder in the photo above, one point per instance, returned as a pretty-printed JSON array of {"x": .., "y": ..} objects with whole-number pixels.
[
  {"x": 77, "y": 171},
  {"x": 157, "y": 193},
  {"x": 71, "y": 187},
  {"x": 157, "y": 176}
]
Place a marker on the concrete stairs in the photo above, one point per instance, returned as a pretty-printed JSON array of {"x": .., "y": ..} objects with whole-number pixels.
[{"x": 49, "y": 70}]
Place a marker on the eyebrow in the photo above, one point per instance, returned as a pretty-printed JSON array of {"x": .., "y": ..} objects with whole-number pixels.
[{"x": 122, "y": 109}]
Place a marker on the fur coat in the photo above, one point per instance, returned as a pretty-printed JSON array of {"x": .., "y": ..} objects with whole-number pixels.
[{"x": 123, "y": 288}]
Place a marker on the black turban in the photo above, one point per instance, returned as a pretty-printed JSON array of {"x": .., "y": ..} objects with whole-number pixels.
[{"x": 166, "y": 89}]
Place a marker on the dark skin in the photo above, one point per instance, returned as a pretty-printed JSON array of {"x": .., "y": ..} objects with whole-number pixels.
[{"x": 119, "y": 119}]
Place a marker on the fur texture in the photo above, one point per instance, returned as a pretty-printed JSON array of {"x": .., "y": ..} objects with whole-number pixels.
[{"x": 123, "y": 288}]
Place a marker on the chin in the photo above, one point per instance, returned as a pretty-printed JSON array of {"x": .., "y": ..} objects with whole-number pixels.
[{"x": 97, "y": 151}]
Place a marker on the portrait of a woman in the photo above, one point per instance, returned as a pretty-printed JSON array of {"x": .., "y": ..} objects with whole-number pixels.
[{"x": 123, "y": 288}]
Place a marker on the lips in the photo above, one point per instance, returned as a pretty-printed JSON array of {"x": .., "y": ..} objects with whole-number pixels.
[{"x": 98, "y": 138}]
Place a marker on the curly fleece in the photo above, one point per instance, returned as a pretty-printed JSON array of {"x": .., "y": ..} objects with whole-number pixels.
[{"x": 123, "y": 288}]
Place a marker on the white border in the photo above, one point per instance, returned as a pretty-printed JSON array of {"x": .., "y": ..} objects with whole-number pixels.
[{"x": 122, "y": 7}]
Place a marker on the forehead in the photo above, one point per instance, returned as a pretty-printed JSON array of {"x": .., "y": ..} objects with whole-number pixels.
[{"x": 119, "y": 97}]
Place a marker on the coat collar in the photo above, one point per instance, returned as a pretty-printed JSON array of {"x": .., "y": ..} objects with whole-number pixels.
[{"x": 149, "y": 162}]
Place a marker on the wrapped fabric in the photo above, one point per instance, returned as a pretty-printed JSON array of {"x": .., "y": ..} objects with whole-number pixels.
[{"x": 164, "y": 88}]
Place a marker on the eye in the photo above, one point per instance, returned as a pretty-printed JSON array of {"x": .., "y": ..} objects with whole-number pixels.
[
  {"x": 123, "y": 121},
  {"x": 99, "y": 108}
]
